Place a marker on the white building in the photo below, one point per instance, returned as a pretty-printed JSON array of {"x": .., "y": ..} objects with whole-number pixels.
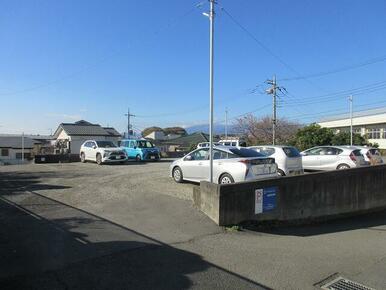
[
  {"x": 369, "y": 123},
  {"x": 13, "y": 147},
  {"x": 72, "y": 135}
]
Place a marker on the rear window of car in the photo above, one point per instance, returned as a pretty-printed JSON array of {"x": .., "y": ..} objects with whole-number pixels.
[
  {"x": 357, "y": 152},
  {"x": 375, "y": 152},
  {"x": 291, "y": 152},
  {"x": 244, "y": 152}
]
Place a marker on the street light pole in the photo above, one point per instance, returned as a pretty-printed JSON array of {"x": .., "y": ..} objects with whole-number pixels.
[
  {"x": 351, "y": 132},
  {"x": 211, "y": 37},
  {"x": 226, "y": 123}
]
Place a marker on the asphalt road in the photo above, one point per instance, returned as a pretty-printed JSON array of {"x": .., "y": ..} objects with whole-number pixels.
[{"x": 83, "y": 226}]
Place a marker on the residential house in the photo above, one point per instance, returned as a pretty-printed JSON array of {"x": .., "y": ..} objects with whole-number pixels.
[
  {"x": 70, "y": 136},
  {"x": 13, "y": 147},
  {"x": 184, "y": 143}
]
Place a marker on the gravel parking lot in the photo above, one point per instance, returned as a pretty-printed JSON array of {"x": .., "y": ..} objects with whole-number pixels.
[{"x": 115, "y": 224}]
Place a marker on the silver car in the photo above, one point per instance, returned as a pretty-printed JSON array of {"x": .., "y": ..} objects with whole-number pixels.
[
  {"x": 332, "y": 157},
  {"x": 287, "y": 158},
  {"x": 371, "y": 155},
  {"x": 230, "y": 164}
]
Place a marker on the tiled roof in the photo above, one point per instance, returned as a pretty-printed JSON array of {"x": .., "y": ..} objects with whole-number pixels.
[
  {"x": 112, "y": 131},
  {"x": 16, "y": 142},
  {"x": 84, "y": 128},
  {"x": 187, "y": 140}
]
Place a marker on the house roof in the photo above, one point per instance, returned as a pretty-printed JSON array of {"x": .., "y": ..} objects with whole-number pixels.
[
  {"x": 84, "y": 128},
  {"x": 16, "y": 142},
  {"x": 187, "y": 140},
  {"x": 112, "y": 131}
]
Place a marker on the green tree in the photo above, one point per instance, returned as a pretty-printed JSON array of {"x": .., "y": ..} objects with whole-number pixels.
[
  {"x": 343, "y": 138},
  {"x": 312, "y": 135}
]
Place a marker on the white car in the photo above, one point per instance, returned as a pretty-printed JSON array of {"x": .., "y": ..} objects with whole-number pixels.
[
  {"x": 233, "y": 143},
  {"x": 206, "y": 144},
  {"x": 372, "y": 155},
  {"x": 101, "y": 152},
  {"x": 287, "y": 158},
  {"x": 332, "y": 157},
  {"x": 230, "y": 164}
]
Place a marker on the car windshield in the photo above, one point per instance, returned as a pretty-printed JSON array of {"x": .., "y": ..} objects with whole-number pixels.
[
  {"x": 291, "y": 152},
  {"x": 144, "y": 144},
  {"x": 105, "y": 144},
  {"x": 244, "y": 152}
]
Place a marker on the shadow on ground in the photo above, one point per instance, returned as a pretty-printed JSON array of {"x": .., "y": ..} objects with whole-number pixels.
[
  {"x": 368, "y": 220},
  {"x": 46, "y": 244}
]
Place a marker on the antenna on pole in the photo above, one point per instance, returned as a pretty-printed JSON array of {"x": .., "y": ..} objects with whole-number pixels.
[{"x": 128, "y": 122}]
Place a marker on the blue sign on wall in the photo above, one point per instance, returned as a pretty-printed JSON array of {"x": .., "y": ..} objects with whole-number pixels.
[
  {"x": 269, "y": 198},
  {"x": 265, "y": 199}
]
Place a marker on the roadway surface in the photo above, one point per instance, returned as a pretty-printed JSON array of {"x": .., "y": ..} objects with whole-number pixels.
[{"x": 83, "y": 226}]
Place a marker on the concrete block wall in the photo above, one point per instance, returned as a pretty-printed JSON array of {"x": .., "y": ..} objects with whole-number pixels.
[{"x": 304, "y": 197}]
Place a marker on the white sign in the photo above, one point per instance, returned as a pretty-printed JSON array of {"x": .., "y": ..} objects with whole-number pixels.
[{"x": 259, "y": 200}]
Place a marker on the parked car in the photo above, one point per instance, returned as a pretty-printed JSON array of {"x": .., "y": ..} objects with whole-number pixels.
[
  {"x": 230, "y": 164},
  {"x": 287, "y": 158},
  {"x": 371, "y": 155},
  {"x": 101, "y": 152},
  {"x": 206, "y": 144},
  {"x": 140, "y": 149},
  {"x": 233, "y": 142},
  {"x": 332, "y": 157}
]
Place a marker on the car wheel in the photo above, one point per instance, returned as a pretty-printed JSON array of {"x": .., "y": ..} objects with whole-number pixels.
[
  {"x": 99, "y": 159},
  {"x": 280, "y": 172},
  {"x": 138, "y": 158},
  {"x": 177, "y": 175},
  {"x": 82, "y": 157},
  {"x": 226, "y": 179},
  {"x": 343, "y": 166}
]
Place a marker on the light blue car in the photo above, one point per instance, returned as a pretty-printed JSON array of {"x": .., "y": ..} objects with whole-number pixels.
[{"x": 140, "y": 149}]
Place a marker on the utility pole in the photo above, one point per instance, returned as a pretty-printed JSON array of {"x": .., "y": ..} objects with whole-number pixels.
[
  {"x": 350, "y": 98},
  {"x": 128, "y": 122},
  {"x": 211, "y": 44},
  {"x": 272, "y": 91},
  {"x": 22, "y": 148},
  {"x": 226, "y": 123}
]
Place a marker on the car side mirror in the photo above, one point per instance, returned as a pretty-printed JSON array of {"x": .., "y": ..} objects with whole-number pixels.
[
  {"x": 135, "y": 147},
  {"x": 188, "y": 158},
  {"x": 303, "y": 153},
  {"x": 94, "y": 147}
]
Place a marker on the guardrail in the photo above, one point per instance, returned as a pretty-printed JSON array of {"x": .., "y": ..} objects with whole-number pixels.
[{"x": 300, "y": 198}]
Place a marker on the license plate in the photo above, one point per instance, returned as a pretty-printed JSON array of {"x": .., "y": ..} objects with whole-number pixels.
[{"x": 152, "y": 157}]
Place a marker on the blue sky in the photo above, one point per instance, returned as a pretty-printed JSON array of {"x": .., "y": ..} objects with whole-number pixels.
[{"x": 61, "y": 61}]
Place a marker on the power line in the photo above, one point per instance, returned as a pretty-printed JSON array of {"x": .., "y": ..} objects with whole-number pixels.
[
  {"x": 101, "y": 60},
  {"x": 262, "y": 45},
  {"x": 338, "y": 70}
]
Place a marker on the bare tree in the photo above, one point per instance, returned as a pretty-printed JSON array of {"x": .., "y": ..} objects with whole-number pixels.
[{"x": 259, "y": 130}]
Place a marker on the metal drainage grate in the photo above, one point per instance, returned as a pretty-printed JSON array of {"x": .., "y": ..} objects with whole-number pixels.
[{"x": 341, "y": 283}]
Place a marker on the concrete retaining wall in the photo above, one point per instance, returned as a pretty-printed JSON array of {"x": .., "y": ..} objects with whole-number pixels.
[{"x": 301, "y": 198}]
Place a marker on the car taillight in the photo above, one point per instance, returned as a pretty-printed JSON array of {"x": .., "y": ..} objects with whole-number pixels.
[
  {"x": 246, "y": 162},
  {"x": 368, "y": 154},
  {"x": 352, "y": 157}
]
